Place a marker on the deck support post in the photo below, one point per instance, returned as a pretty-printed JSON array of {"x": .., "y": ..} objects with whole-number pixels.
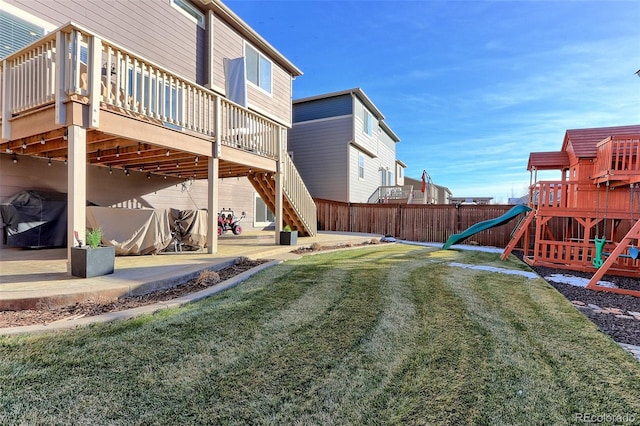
[
  {"x": 212, "y": 204},
  {"x": 76, "y": 188},
  {"x": 279, "y": 176},
  {"x": 213, "y": 186}
]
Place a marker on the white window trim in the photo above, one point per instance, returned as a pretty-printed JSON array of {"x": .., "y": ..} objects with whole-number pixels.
[
  {"x": 255, "y": 206},
  {"x": 260, "y": 55},
  {"x": 12, "y": 10},
  {"x": 367, "y": 130},
  {"x": 361, "y": 156},
  {"x": 200, "y": 22}
]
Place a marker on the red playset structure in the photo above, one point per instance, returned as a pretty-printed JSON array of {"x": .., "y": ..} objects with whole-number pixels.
[{"x": 590, "y": 219}]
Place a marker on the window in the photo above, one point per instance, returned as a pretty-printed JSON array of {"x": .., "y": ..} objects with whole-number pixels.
[
  {"x": 263, "y": 216},
  {"x": 383, "y": 177},
  {"x": 258, "y": 69},
  {"x": 190, "y": 11},
  {"x": 368, "y": 123},
  {"x": 390, "y": 178},
  {"x": 360, "y": 165},
  {"x": 16, "y": 33}
]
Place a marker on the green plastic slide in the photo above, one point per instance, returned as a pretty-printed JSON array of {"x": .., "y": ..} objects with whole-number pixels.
[{"x": 486, "y": 224}]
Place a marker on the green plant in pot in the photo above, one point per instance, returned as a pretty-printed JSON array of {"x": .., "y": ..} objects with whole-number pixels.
[
  {"x": 288, "y": 237},
  {"x": 93, "y": 259},
  {"x": 94, "y": 237}
]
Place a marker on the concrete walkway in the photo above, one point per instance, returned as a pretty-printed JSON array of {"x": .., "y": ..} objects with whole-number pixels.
[{"x": 38, "y": 278}]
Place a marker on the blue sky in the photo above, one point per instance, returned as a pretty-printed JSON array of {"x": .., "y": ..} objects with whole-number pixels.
[{"x": 470, "y": 87}]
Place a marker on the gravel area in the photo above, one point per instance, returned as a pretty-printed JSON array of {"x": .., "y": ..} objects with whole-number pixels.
[{"x": 613, "y": 319}]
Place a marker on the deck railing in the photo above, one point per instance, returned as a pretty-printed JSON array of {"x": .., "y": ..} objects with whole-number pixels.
[
  {"x": 549, "y": 194},
  {"x": 298, "y": 195},
  {"x": 28, "y": 78},
  {"x": 73, "y": 62},
  {"x": 618, "y": 156},
  {"x": 384, "y": 194}
]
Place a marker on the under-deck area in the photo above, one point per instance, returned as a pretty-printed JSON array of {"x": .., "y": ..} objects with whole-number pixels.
[{"x": 77, "y": 98}]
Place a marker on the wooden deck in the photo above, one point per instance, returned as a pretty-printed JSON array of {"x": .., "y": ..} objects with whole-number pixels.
[{"x": 130, "y": 114}]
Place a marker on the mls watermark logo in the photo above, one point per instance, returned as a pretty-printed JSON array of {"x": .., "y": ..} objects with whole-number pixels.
[{"x": 604, "y": 418}]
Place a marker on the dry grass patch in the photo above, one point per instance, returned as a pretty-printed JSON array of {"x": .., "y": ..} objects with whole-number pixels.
[{"x": 379, "y": 335}]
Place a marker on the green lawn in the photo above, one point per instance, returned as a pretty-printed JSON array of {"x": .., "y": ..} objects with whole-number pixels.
[{"x": 389, "y": 334}]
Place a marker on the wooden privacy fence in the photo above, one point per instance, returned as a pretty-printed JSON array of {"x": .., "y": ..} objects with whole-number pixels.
[{"x": 415, "y": 222}]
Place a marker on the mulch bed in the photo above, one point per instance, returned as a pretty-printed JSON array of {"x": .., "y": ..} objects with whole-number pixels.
[{"x": 91, "y": 308}]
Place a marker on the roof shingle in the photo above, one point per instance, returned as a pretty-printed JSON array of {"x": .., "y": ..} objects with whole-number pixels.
[{"x": 584, "y": 141}]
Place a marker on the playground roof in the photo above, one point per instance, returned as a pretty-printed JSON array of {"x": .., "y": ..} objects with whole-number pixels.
[
  {"x": 554, "y": 160},
  {"x": 585, "y": 141}
]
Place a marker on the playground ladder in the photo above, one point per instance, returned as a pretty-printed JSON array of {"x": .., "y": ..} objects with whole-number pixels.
[
  {"x": 634, "y": 233},
  {"x": 517, "y": 234}
]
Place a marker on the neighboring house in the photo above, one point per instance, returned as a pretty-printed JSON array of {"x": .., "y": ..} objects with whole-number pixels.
[
  {"x": 342, "y": 147},
  {"x": 130, "y": 103},
  {"x": 433, "y": 194},
  {"x": 518, "y": 200},
  {"x": 470, "y": 200}
]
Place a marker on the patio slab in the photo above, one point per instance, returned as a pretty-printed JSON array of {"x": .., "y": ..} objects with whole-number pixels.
[{"x": 31, "y": 279}]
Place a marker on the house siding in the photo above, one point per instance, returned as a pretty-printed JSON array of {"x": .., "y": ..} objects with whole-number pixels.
[
  {"x": 228, "y": 43},
  {"x": 361, "y": 189},
  {"x": 320, "y": 155},
  {"x": 171, "y": 40},
  {"x": 368, "y": 143},
  {"x": 167, "y": 37},
  {"x": 323, "y": 108},
  {"x": 387, "y": 157},
  {"x": 399, "y": 175}
]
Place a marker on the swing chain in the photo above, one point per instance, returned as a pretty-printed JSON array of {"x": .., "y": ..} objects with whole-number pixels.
[
  {"x": 606, "y": 210},
  {"x": 597, "y": 210}
]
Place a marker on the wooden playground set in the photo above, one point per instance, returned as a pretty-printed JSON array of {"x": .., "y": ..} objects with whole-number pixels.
[{"x": 589, "y": 220}]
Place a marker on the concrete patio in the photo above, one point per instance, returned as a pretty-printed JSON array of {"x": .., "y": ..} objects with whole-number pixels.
[{"x": 38, "y": 278}]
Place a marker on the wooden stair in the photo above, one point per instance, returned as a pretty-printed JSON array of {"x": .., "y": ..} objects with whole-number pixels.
[{"x": 265, "y": 186}]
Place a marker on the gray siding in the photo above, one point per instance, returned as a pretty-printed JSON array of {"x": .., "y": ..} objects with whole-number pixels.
[
  {"x": 387, "y": 161},
  {"x": 228, "y": 43},
  {"x": 158, "y": 32},
  {"x": 361, "y": 189},
  {"x": 379, "y": 154},
  {"x": 399, "y": 175},
  {"x": 320, "y": 153},
  {"x": 154, "y": 30},
  {"x": 368, "y": 143},
  {"x": 323, "y": 108}
]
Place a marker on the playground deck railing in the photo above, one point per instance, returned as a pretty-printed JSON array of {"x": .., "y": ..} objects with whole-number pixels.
[
  {"x": 580, "y": 198},
  {"x": 618, "y": 158}
]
